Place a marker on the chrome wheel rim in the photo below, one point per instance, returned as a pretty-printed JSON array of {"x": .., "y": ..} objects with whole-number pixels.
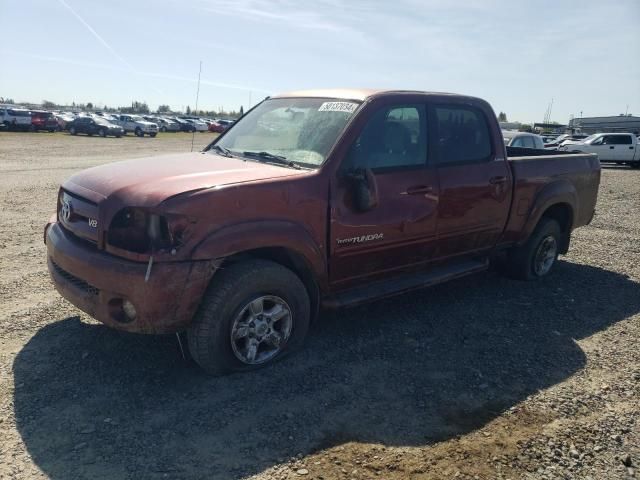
[
  {"x": 545, "y": 255},
  {"x": 261, "y": 329}
]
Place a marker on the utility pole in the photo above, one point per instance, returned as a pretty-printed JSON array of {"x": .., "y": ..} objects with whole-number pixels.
[{"x": 193, "y": 133}]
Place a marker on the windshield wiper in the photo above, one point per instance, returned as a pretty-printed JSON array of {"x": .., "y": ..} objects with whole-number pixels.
[
  {"x": 225, "y": 152},
  {"x": 270, "y": 157}
]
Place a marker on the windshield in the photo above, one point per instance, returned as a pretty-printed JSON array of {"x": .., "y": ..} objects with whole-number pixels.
[
  {"x": 590, "y": 137},
  {"x": 101, "y": 121},
  {"x": 300, "y": 130},
  {"x": 137, "y": 118}
]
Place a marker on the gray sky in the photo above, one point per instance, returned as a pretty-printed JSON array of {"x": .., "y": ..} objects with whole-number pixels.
[{"x": 515, "y": 54}]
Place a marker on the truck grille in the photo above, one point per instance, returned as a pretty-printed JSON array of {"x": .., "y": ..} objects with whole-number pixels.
[
  {"x": 75, "y": 281},
  {"x": 79, "y": 216}
]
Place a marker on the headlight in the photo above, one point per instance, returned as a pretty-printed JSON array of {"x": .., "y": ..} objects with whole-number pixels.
[{"x": 141, "y": 231}]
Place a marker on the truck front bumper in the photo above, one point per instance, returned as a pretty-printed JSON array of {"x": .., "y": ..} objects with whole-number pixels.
[{"x": 105, "y": 286}]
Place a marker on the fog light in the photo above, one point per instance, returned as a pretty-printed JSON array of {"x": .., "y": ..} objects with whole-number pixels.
[{"x": 129, "y": 310}]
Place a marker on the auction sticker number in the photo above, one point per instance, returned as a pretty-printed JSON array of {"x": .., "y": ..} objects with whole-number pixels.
[{"x": 347, "y": 107}]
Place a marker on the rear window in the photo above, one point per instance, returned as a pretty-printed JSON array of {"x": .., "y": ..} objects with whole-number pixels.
[
  {"x": 462, "y": 135},
  {"x": 622, "y": 139},
  {"x": 19, "y": 113}
]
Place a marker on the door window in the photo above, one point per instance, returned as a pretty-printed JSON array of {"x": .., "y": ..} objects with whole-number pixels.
[
  {"x": 620, "y": 139},
  {"x": 394, "y": 138},
  {"x": 462, "y": 135},
  {"x": 524, "y": 141}
]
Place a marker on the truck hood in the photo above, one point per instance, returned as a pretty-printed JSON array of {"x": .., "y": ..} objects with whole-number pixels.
[{"x": 145, "y": 182}]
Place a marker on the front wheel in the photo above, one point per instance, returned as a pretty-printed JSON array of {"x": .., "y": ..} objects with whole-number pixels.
[
  {"x": 73, "y": 131},
  {"x": 635, "y": 165},
  {"x": 152, "y": 135},
  {"x": 103, "y": 132},
  {"x": 139, "y": 132},
  {"x": 252, "y": 314},
  {"x": 537, "y": 257}
]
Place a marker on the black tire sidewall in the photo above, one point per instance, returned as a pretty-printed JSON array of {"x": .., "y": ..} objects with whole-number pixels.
[
  {"x": 524, "y": 258},
  {"x": 218, "y": 312}
]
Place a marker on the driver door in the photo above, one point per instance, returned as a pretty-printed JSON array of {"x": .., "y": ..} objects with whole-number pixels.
[{"x": 399, "y": 232}]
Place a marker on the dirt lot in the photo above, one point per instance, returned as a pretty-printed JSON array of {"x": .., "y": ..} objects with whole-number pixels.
[{"x": 481, "y": 378}]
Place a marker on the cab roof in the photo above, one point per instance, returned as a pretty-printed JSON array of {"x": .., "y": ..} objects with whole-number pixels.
[{"x": 359, "y": 94}]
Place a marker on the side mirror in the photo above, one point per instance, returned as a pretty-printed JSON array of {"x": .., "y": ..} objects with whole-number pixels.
[{"x": 364, "y": 188}]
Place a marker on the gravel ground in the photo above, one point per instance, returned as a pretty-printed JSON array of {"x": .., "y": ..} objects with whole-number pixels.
[{"x": 481, "y": 378}]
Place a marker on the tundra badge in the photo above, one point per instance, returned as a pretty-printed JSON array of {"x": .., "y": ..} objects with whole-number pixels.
[{"x": 360, "y": 239}]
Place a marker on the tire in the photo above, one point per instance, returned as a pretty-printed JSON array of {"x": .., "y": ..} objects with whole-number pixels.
[
  {"x": 163, "y": 129},
  {"x": 72, "y": 131},
  {"x": 118, "y": 136},
  {"x": 524, "y": 262},
  {"x": 152, "y": 135},
  {"x": 90, "y": 134},
  {"x": 635, "y": 165},
  {"x": 229, "y": 300},
  {"x": 103, "y": 132},
  {"x": 139, "y": 132}
]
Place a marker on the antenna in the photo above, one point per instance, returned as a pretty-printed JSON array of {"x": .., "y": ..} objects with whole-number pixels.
[{"x": 193, "y": 134}]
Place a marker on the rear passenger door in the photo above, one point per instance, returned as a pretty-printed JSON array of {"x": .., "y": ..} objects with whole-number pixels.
[
  {"x": 624, "y": 149},
  {"x": 475, "y": 180}
]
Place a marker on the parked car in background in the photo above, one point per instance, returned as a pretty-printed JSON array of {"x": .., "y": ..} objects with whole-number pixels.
[
  {"x": 555, "y": 143},
  {"x": 63, "y": 119},
  {"x": 16, "y": 118},
  {"x": 226, "y": 123},
  {"x": 42, "y": 120},
  {"x": 620, "y": 148},
  {"x": 183, "y": 124},
  {"x": 514, "y": 138},
  {"x": 198, "y": 125},
  {"x": 217, "y": 127},
  {"x": 242, "y": 244},
  {"x": 164, "y": 124},
  {"x": 94, "y": 126},
  {"x": 138, "y": 125},
  {"x": 168, "y": 125}
]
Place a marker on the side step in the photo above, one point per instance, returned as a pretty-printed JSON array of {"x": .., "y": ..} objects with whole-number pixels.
[{"x": 405, "y": 283}]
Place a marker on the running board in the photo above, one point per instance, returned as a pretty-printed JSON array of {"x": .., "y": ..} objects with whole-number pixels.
[{"x": 405, "y": 283}]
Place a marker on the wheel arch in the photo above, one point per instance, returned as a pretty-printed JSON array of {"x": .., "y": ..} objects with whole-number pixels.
[
  {"x": 285, "y": 243},
  {"x": 559, "y": 202},
  {"x": 288, "y": 258}
]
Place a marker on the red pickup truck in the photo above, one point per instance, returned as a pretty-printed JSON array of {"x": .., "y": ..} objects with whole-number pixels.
[{"x": 312, "y": 199}]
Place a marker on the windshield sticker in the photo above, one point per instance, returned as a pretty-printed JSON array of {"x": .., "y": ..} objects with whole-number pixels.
[{"x": 347, "y": 107}]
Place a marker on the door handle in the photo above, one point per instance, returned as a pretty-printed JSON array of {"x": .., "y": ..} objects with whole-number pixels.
[
  {"x": 496, "y": 180},
  {"x": 611, "y": 147},
  {"x": 630, "y": 148},
  {"x": 418, "y": 190}
]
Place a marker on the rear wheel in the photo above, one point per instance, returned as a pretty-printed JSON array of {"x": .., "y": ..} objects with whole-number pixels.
[
  {"x": 139, "y": 132},
  {"x": 163, "y": 129},
  {"x": 103, "y": 132},
  {"x": 537, "y": 257},
  {"x": 635, "y": 165},
  {"x": 252, "y": 314},
  {"x": 152, "y": 134},
  {"x": 73, "y": 131}
]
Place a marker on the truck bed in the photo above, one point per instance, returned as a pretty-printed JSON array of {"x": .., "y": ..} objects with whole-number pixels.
[{"x": 537, "y": 173}]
